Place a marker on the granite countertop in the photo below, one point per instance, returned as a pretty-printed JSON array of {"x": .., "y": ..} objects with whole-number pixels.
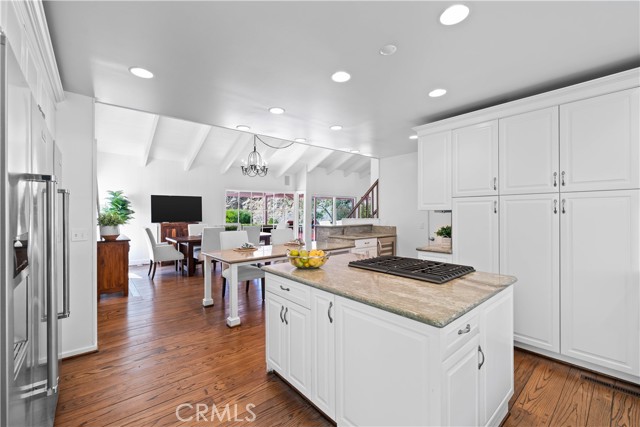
[
  {"x": 269, "y": 252},
  {"x": 443, "y": 249},
  {"x": 359, "y": 236},
  {"x": 436, "y": 305}
]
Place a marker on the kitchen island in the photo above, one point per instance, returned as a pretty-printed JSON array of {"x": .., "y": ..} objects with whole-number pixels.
[{"x": 368, "y": 348}]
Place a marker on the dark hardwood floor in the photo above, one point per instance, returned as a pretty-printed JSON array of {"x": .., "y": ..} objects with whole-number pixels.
[{"x": 159, "y": 349}]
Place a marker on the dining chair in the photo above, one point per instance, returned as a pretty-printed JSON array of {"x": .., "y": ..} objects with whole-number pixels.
[
  {"x": 253, "y": 233},
  {"x": 246, "y": 273},
  {"x": 280, "y": 236},
  {"x": 159, "y": 252},
  {"x": 195, "y": 229},
  {"x": 282, "y": 225},
  {"x": 210, "y": 243}
]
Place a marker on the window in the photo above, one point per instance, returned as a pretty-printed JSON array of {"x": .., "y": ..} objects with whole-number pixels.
[
  {"x": 328, "y": 208},
  {"x": 258, "y": 208}
]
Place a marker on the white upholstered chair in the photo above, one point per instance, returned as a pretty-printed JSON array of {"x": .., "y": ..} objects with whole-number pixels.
[
  {"x": 280, "y": 236},
  {"x": 253, "y": 233},
  {"x": 246, "y": 273},
  {"x": 159, "y": 252},
  {"x": 210, "y": 243},
  {"x": 195, "y": 229},
  {"x": 282, "y": 225}
]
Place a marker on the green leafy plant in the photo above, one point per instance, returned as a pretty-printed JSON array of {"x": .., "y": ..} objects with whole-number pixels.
[
  {"x": 106, "y": 219},
  {"x": 119, "y": 204},
  {"x": 444, "y": 231}
]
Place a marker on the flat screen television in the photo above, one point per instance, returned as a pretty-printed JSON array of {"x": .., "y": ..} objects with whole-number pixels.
[{"x": 176, "y": 208}]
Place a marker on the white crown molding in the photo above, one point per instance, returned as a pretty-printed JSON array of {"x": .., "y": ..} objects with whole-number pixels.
[
  {"x": 608, "y": 84},
  {"x": 35, "y": 22}
]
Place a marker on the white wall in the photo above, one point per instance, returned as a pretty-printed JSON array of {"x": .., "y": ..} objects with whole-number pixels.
[
  {"x": 117, "y": 172},
  {"x": 74, "y": 136},
  {"x": 399, "y": 205}
]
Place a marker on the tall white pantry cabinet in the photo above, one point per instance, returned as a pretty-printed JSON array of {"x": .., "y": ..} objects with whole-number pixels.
[{"x": 547, "y": 189}]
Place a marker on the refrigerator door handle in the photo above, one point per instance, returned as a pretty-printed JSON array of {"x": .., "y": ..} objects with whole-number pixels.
[
  {"x": 66, "y": 292},
  {"x": 52, "y": 297}
]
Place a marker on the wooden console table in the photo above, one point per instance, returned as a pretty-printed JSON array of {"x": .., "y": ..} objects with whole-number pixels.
[{"x": 113, "y": 266}]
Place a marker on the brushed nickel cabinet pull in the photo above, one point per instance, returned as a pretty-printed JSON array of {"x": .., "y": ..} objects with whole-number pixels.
[
  {"x": 555, "y": 179},
  {"x": 562, "y": 175},
  {"x": 466, "y": 330},
  {"x": 555, "y": 206},
  {"x": 495, "y": 183},
  {"x": 284, "y": 289},
  {"x": 495, "y": 206},
  {"x": 482, "y": 354},
  {"x": 281, "y": 310},
  {"x": 285, "y": 316},
  {"x": 329, "y": 312},
  {"x": 563, "y": 209}
]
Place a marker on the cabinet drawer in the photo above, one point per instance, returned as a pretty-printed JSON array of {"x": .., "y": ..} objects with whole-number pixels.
[
  {"x": 459, "y": 333},
  {"x": 289, "y": 290},
  {"x": 365, "y": 243}
]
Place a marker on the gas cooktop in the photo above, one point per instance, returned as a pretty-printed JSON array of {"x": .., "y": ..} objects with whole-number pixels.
[{"x": 427, "y": 271}]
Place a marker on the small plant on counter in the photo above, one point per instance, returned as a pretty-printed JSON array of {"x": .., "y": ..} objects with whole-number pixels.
[{"x": 444, "y": 231}]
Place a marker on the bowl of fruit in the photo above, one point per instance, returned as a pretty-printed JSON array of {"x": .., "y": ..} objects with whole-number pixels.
[{"x": 307, "y": 260}]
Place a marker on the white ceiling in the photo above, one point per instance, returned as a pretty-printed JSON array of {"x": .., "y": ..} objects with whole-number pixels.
[
  {"x": 226, "y": 63},
  {"x": 151, "y": 137}
]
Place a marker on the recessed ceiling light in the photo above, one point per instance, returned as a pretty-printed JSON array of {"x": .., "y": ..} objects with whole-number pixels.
[
  {"x": 276, "y": 110},
  {"x": 341, "y": 77},
  {"x": 243, "y": 127},
  {"x": 388, "y": 50},
  {"x": 437, "y": 92},
  {"x": 454, "y": 14},
  {"x": 355, "y": 151},
  {"x": 413, "y": 137},
  {"x": 141, "y": 72},
  {"x": 336, "y": 127},
  {"x": 300, "y": 140}
]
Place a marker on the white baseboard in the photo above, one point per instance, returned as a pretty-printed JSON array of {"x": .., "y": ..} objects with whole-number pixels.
[{"x": 78, "y": 351}]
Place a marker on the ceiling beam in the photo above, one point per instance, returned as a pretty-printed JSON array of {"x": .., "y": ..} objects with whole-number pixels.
[
  {"x": 315, "y": 162},
  {"x": 357, "y": 166},
  {"x": 293, "y": 157},
  {"x": 152, "y": 134},
  {"x": 201, "y": 137},
  {"x": 337, "y": 163},
  {"x": 365, "y": 170},
  {"x": 241, "y": 145}
]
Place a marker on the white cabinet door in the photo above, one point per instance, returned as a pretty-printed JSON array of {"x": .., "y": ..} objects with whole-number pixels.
[
  {"x": 530, "y": 251},
  {"x": 276, "y": 340},
  {"x": 383, "y": 363},
  {"x": 496, "y": 373},
  {"x": 435, "y": 256},
  {"x": 599, "y": 142},
  {"x": 297, "y": 321},
  {"x": 475, "y": 233},
  {"x": 323, "y": 347},
  {"x": 600, "y": 278},
  {"x": 461, "y": 387},
  {"x": 529, "y": 153},
  {"x": 434, "y": 171},
  {"x": 475, "y": 160}
]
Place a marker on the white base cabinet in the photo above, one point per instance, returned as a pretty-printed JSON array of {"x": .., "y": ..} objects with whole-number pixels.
[
  {"x": 371, "y": 367},
  {"x": 288, "y": 334}
]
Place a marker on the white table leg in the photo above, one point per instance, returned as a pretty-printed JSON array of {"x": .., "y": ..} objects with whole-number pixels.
[
  {"x": 207, "y": 300},
  {"x": 233, "y": 319}
]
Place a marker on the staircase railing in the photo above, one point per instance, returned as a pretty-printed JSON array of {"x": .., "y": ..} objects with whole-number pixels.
[{"x": 367, "y": 206}]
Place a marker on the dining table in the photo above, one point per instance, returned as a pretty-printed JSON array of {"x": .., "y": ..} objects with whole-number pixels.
[
  {"x": 235, "y": 258},
  {"x": 186, "y": 244}
]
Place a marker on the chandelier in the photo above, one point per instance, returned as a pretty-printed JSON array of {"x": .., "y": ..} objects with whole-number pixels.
[{"x": 254, "y": 165}]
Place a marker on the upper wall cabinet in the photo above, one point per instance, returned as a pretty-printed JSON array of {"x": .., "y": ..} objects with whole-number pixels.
[
  {"x": 529, "y": 153},
  {"x": 599, "y": 147},
  {"x": 475, "y": 160},
  {"x": 434, "y": 171}
]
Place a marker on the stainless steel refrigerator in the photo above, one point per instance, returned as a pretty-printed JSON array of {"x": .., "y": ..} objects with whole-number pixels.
[{"x": 34, "y": 293}]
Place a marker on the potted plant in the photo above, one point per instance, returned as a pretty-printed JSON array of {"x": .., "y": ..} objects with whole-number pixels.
[
  {"x": 444, "y": 233},
  {"x": 109, "y": 223},
  {"x": 116, "y": 212}
]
